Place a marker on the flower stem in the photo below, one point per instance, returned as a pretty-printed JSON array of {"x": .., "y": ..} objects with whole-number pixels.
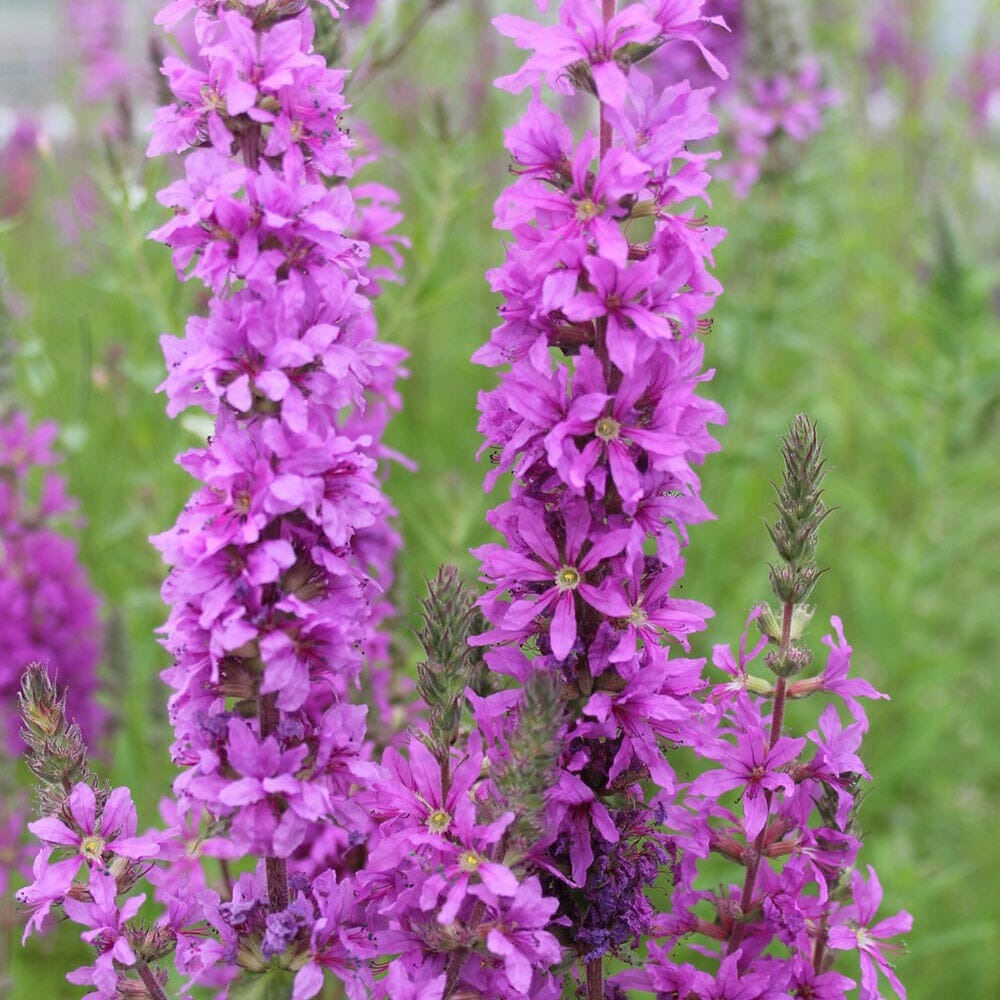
[
  {"x": 153, "y": 988},
  {"x": 275, "y": 868},
  {"x": 777, "y": 720},
  {"x": 595, "y": 979},
  {"x": 608, "y": 12},
  {"x": 457, "y": 960},
  {"x": 595, "y": 966}
]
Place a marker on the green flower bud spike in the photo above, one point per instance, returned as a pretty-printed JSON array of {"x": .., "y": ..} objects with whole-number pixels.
[{"x": 795, "y": 536}]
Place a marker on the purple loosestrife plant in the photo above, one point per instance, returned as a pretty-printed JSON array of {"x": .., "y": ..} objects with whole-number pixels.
[
  {"x": 774, "y": 98},
  {"x": 98, "y": 30},
  {"x": 281, "y": 558},
  {"x": 782, "y": 98},
  {"x": 599, "y": 420},
  {"x": 445, "y": 889},
  {"x": 792, "y": 828}
]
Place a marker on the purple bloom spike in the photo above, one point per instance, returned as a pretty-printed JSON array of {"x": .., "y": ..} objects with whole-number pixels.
[
  {"x": 50, "y": 609},
  {"x": 280, "y": 557},
  {"x": 602, "y": 443}
]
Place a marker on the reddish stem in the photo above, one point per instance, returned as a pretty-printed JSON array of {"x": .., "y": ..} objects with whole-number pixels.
[
  {"x": 153, "y": 988},
  {"x": 595, "y": 967},
  {"x": 595, "y": 979},
  {"x": 820, "y": 947},
  {"x": 777, "y": 720},
  {"x": 275, "y": 868},
  {"x": 607, "y": 12}
]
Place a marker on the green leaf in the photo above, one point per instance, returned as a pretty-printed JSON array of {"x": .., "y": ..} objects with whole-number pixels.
[{"x": 275, "y": 984}]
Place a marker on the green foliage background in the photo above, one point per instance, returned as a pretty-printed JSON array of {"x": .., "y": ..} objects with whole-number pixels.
[{"x": 860, "y": 287}]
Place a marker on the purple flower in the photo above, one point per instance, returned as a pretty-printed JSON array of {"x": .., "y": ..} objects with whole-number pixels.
[
  {"x": 854, "y": 931},
  {"x": 756, "y": 768},
  {"x": 581, "y": 36},
  {"x": 93, "y": 837},
  {"x": 834, "y": 678},
  {"x": 52, "y": 883},
  {"x": 807, "y": 982},
  {"x": 562, "y": 573},
  {"x": 51, "y": 611},
  {"x": 108, "y": 925},
  {"x": 601, "y": 442},
  {"x": 279, "y": 556},
  {"x": 98, "y": 35},
  {"x": 521, "y": 938}
]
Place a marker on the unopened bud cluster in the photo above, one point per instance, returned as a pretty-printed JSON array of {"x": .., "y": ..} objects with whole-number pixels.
[
  {"x": 449, "y": 617},
  {"x": 801, "y": 511}
]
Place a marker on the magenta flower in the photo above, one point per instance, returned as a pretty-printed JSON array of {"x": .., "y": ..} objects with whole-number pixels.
[
  {"x": 582, "y": 35},
  {"x": 564, "y": 573},
  {"x": 755, "y": 768},
  {"x": 834, "y": 678},
  {"x": 463, "y": 865},
  {"x": 408, "y": 796},
  {"x": 50, "y": 608},
  {"x": 52, "y": 883},
  {"x": 108, "y": 926},
  {"x": 279, "y": 558},
  {"x": 854, "y": 931},
  {"x": 521, "y": 939},
  {"x": 588, "y": 209},
  {"x": 98, "y": 35},
  {"x": 92, "y": 837},
  {"x": 807, "y": 982}
]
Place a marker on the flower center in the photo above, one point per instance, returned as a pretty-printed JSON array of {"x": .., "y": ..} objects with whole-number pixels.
[
  {"x": 638, "y": 617},
  {"x": 241, "y": 501},
  {"x": 92, "y": 847},
  {"x": 438, "y": 821},
  {"x": 607, "y": 429},
  {"x": 469, "y": 861},
  {"x": 568, "y": 578},
  {"x": 586, "y": 209}
]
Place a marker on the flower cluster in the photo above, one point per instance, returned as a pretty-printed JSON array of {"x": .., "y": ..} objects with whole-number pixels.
[
  {"x": 598, "y": 420},
  {"x": 795, "y": 834},
  {"x": 98, "y": 30},
  {"x": 281, "y": 557},
  {"x": 504, "y": 846},
  {"x": 774, "y": 111},
  {"x": 442, "y": 889},
  {"x": 50, "y": 608},
  {"x": 774, "y": 99},
  {"x": 608, "y": 266}
]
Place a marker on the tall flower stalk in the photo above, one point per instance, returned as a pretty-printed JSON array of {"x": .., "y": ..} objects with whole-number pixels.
[
  {"x": 791, "y": 827},
  {"x": 279, "y": 557},
  {"x": 598, "y": 418}
]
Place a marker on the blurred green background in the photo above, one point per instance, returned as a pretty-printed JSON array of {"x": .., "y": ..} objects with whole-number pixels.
[{"x": 861, "y": 287}]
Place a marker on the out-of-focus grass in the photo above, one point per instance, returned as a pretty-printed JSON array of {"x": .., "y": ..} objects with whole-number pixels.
[{"x": 856, "y": 290}]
